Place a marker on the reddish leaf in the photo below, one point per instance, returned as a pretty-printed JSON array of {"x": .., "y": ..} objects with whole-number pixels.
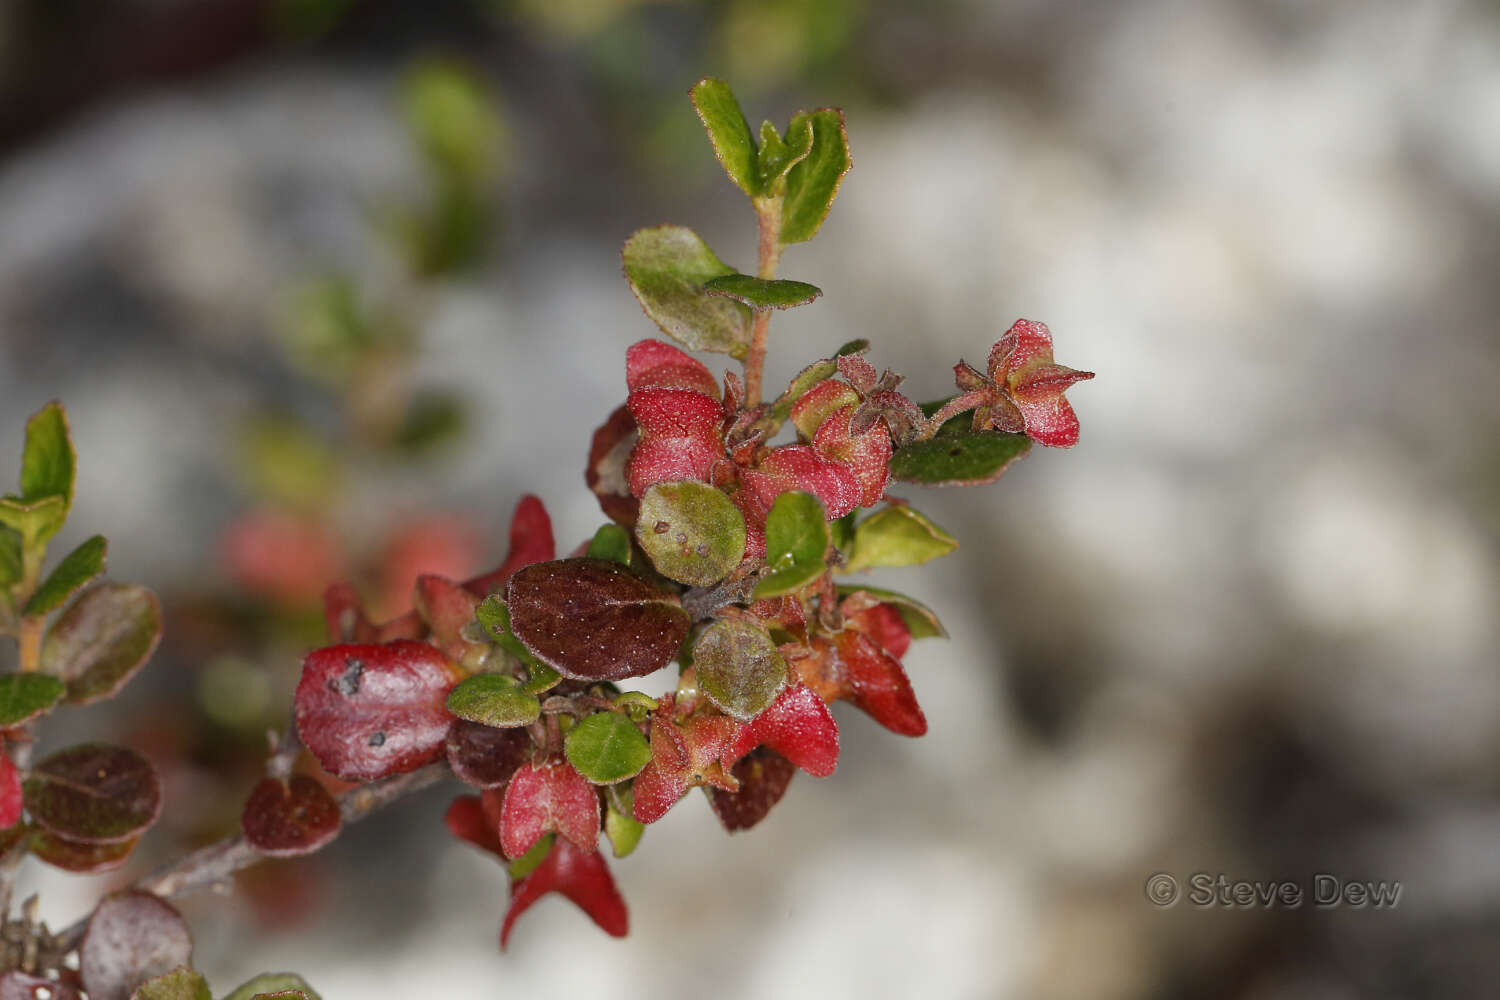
[
  {"x": 654, "y": 364},
  {"x": 682, "y": 436},
  {"x": 763, "y": 775},
  {"x": 344, "y": 615},
  {"x": 81, "y": 859},
  {"x": 10, "y": 792},
  {"x": 821, "y": 402},
  {"x": 94, "y": 793},
  {"x": 592, "y": 619},
  {"x": 132, "y": 937},
  {"x": 682, "y": 757},
  {"x": 466, "y": 820},
  {"x": 447, "y": 608},
  {"x": 545, "y": 798},
  {"x": 881, "y": 622},
  {"x": 368, "y": 711},
  {"x": 580, "y": 875},
  {"x": 530, "y": 542},
  {"x": 854, "y": 668},
  {"x": 285, "y": 819},
  {"x": 1021, "y": 365},
  {"x": 609, "y": 453},
  {"x": 867, "y": 455},
  {"x": 484, "y": 756},
  {"x": 446, "y": 545},
  {"x": 18, "y": 985},
  {"x": 798, "y": 726},
  {"x": 799, "y": 467}
]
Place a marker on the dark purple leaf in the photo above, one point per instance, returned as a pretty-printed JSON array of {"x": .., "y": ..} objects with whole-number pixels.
[
  {"x": 484, "y": 756},
  {"x": 94, "y": 793},
  {"x": 763, "y": 776},
  {"x": 285, "y": 819},
  {"x": 81, "y": 859},
  {"x": 592, "y": 619},
  {"x": 18, "y": 985}
]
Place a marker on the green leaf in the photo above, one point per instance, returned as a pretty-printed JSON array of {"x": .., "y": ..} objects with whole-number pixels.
[
  {"x": 179, "y": 984},
  {"x": 729, "y": 132},
  {"x": 814, "y": 181},
  {"x": 35, "y": 520},
  {"x": 273, "y": 982},
  {"x": 776, "y": 157},
  {"x": 607, "y": 747},
  {"x": 47, "y": 464},
  {"x": 959, "y": 459},
  {"x": 528, "y": 862},
  {"x": 897, "y": 536},
  {"x": 25, "y": 696},
  {"x": 433, "y": 420},
  {"x": 739, "y": 668},
  {"x": 920, "y": 620},
  {"x": 102, "y": 639},
  {"x": 797, "y": 539},
  {"x": 494, "y": 615},
  {"x": 11, "y": 567},
  {"x": 760, "y": 293},
  {"x": 494, "y": 700},
  {"x": 666, "y": 268},
  {"x": 623, "y": 829},
  {"x": 610, "y": 542},
  {"x": 692, "y": 532},
  {"x": 77, "y": 568}
]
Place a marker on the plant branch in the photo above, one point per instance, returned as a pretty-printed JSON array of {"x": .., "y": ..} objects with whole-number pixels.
[
  {"x": 217, "y": 861},
  {"x": 768, "y": 217}
]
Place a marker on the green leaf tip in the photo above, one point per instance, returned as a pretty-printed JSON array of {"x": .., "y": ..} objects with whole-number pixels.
[
  {"x": 728, "y": 132},
  {"x": 48, "y": 461},
  {"x": 76, "y": 569},
  {"x": 813, "y": 181}
]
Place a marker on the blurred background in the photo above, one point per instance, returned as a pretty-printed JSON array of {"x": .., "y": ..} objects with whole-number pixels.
[{"x": 327, "y": 285}]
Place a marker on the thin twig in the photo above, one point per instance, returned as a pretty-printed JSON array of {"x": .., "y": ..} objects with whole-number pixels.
[
  {"x": 768, "y": 219},
  {"x": 216, "y": 862}
]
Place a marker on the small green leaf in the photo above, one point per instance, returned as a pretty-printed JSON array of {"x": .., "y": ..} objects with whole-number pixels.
[
  {"x": 610, "y": 542},
  {"x": 11, "y": 566},
  {"x": 47, "y": 464},
  {"x": 607, "y": 747},
  {"x": 897, "y": 536},
  {"x": 494, "y": 700},
  {"x": 814, "y": 181},
  {"x": 692, "y": 532},
  {"x": 494, "y": 615},
  {"x": 623, "y": 830},
  {"x": 728, "y": 131},
  {"x": 776, "y": 157},
  {"x": 666, "y": 268},
  {"x": 760, "y": 293},
  {"x": 77, "y": 568},
  {"x": 528, "y": 862},
  {"x": 273, "y": 983},
  {"x": 739, "y": 668},
  {"x": 36, "y": 520},
  {"x": 797, "y": 539},
  {"x": 102, "y": 639},
  {"x": 920, "y": 620},
  {"x": 637, "y": 704},
  {"x": 433, "y": 420},
  {"x": 25, "y": 696},
  {"x": 959, "y": 459},
  {"x": 179, "y": 984}
]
